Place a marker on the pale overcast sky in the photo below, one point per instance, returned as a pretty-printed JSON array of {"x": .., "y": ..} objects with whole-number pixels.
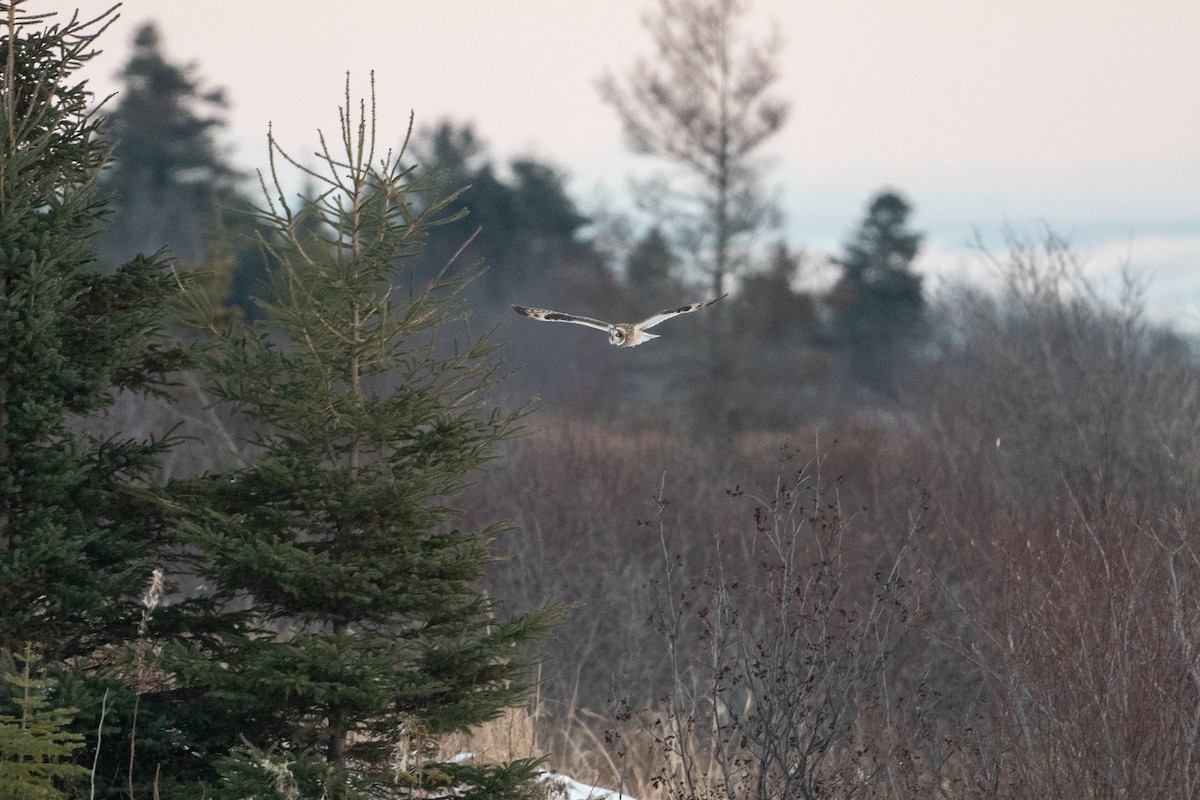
[{"x": 1080, "y": 114}]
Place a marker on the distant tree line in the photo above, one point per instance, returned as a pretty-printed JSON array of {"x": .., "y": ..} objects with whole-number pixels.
[{"x": 173, "y": 187}]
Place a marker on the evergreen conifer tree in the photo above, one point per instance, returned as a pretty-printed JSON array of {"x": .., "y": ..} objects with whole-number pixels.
[
  {"x": 171, "y": 184},
  {"x": 35, "y": 744},
  {"x": 651, "y": 269},
  {"x": 168, "y": 173},
  {"x": 529, "y": 228},
  {"x": 770, "y": 312},
  {"x": 77, "y": 534},
  {"x": 80, "y": 530},
  {"x": 368, "y": 636},
  {"x": 878, "y": 303}
]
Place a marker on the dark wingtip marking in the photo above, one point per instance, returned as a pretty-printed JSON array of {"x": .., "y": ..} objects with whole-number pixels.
[
  {"x": 667, "y": 312},
  {"x": 693, "y": 306}
]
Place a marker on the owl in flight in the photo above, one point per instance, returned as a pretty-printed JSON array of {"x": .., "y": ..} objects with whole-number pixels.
[{"x": 621, "y": 334}]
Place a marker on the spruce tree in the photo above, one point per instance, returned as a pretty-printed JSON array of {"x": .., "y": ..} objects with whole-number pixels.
[
  {"x": 35, "y": 745},
  {"x": 529, "y": 228},
  {"x": 878, "y": 303},
  {"x": 168, "y": 172},
  {"x": 368, "y": 636},
  {"x": 77, "y": 533},
  {"x": 80, "y": 528},
  {"x": 171, "y": 182}
]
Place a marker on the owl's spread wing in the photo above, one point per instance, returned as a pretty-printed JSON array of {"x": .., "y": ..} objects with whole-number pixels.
[
  {"x": 557, "y": 316},
  {"x": 673, "y": 312}
]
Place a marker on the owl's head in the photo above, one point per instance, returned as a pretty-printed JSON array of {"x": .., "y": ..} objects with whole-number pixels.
[{"x": 616, "y": 336}]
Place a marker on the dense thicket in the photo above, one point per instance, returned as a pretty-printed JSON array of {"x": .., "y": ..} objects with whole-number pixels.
[{"x": 984, "y": 587}]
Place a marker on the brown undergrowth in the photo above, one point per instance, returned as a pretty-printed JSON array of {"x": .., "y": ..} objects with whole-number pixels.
[{"x": 985, "y": 586}]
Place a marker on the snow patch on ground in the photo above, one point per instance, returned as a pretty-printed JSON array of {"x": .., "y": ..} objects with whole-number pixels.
[{"x": 563, "y": 788}]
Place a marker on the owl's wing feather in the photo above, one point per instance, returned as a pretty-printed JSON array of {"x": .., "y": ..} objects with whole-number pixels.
[
  {"x": 662, "y": 316},
  {"x": 557, "y": 316}
]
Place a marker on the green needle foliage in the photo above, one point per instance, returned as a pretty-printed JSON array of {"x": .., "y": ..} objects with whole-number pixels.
[
  {"x": 367, "y": 635},
  {"x": 77, "y": 535},
  {"x": 35, "y": 745}
]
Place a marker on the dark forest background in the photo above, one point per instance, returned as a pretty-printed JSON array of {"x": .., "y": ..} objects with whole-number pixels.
[{"x": 172, "y": 186}]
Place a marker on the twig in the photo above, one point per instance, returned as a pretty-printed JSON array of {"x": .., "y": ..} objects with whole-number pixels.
[{"x": 99, "y": 737}]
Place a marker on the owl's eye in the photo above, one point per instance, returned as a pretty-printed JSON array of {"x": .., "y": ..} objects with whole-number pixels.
[{"x": 617, "y": 335}]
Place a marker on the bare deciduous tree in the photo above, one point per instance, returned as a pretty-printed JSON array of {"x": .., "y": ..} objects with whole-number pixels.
[{"x": 703, "y": 103}]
